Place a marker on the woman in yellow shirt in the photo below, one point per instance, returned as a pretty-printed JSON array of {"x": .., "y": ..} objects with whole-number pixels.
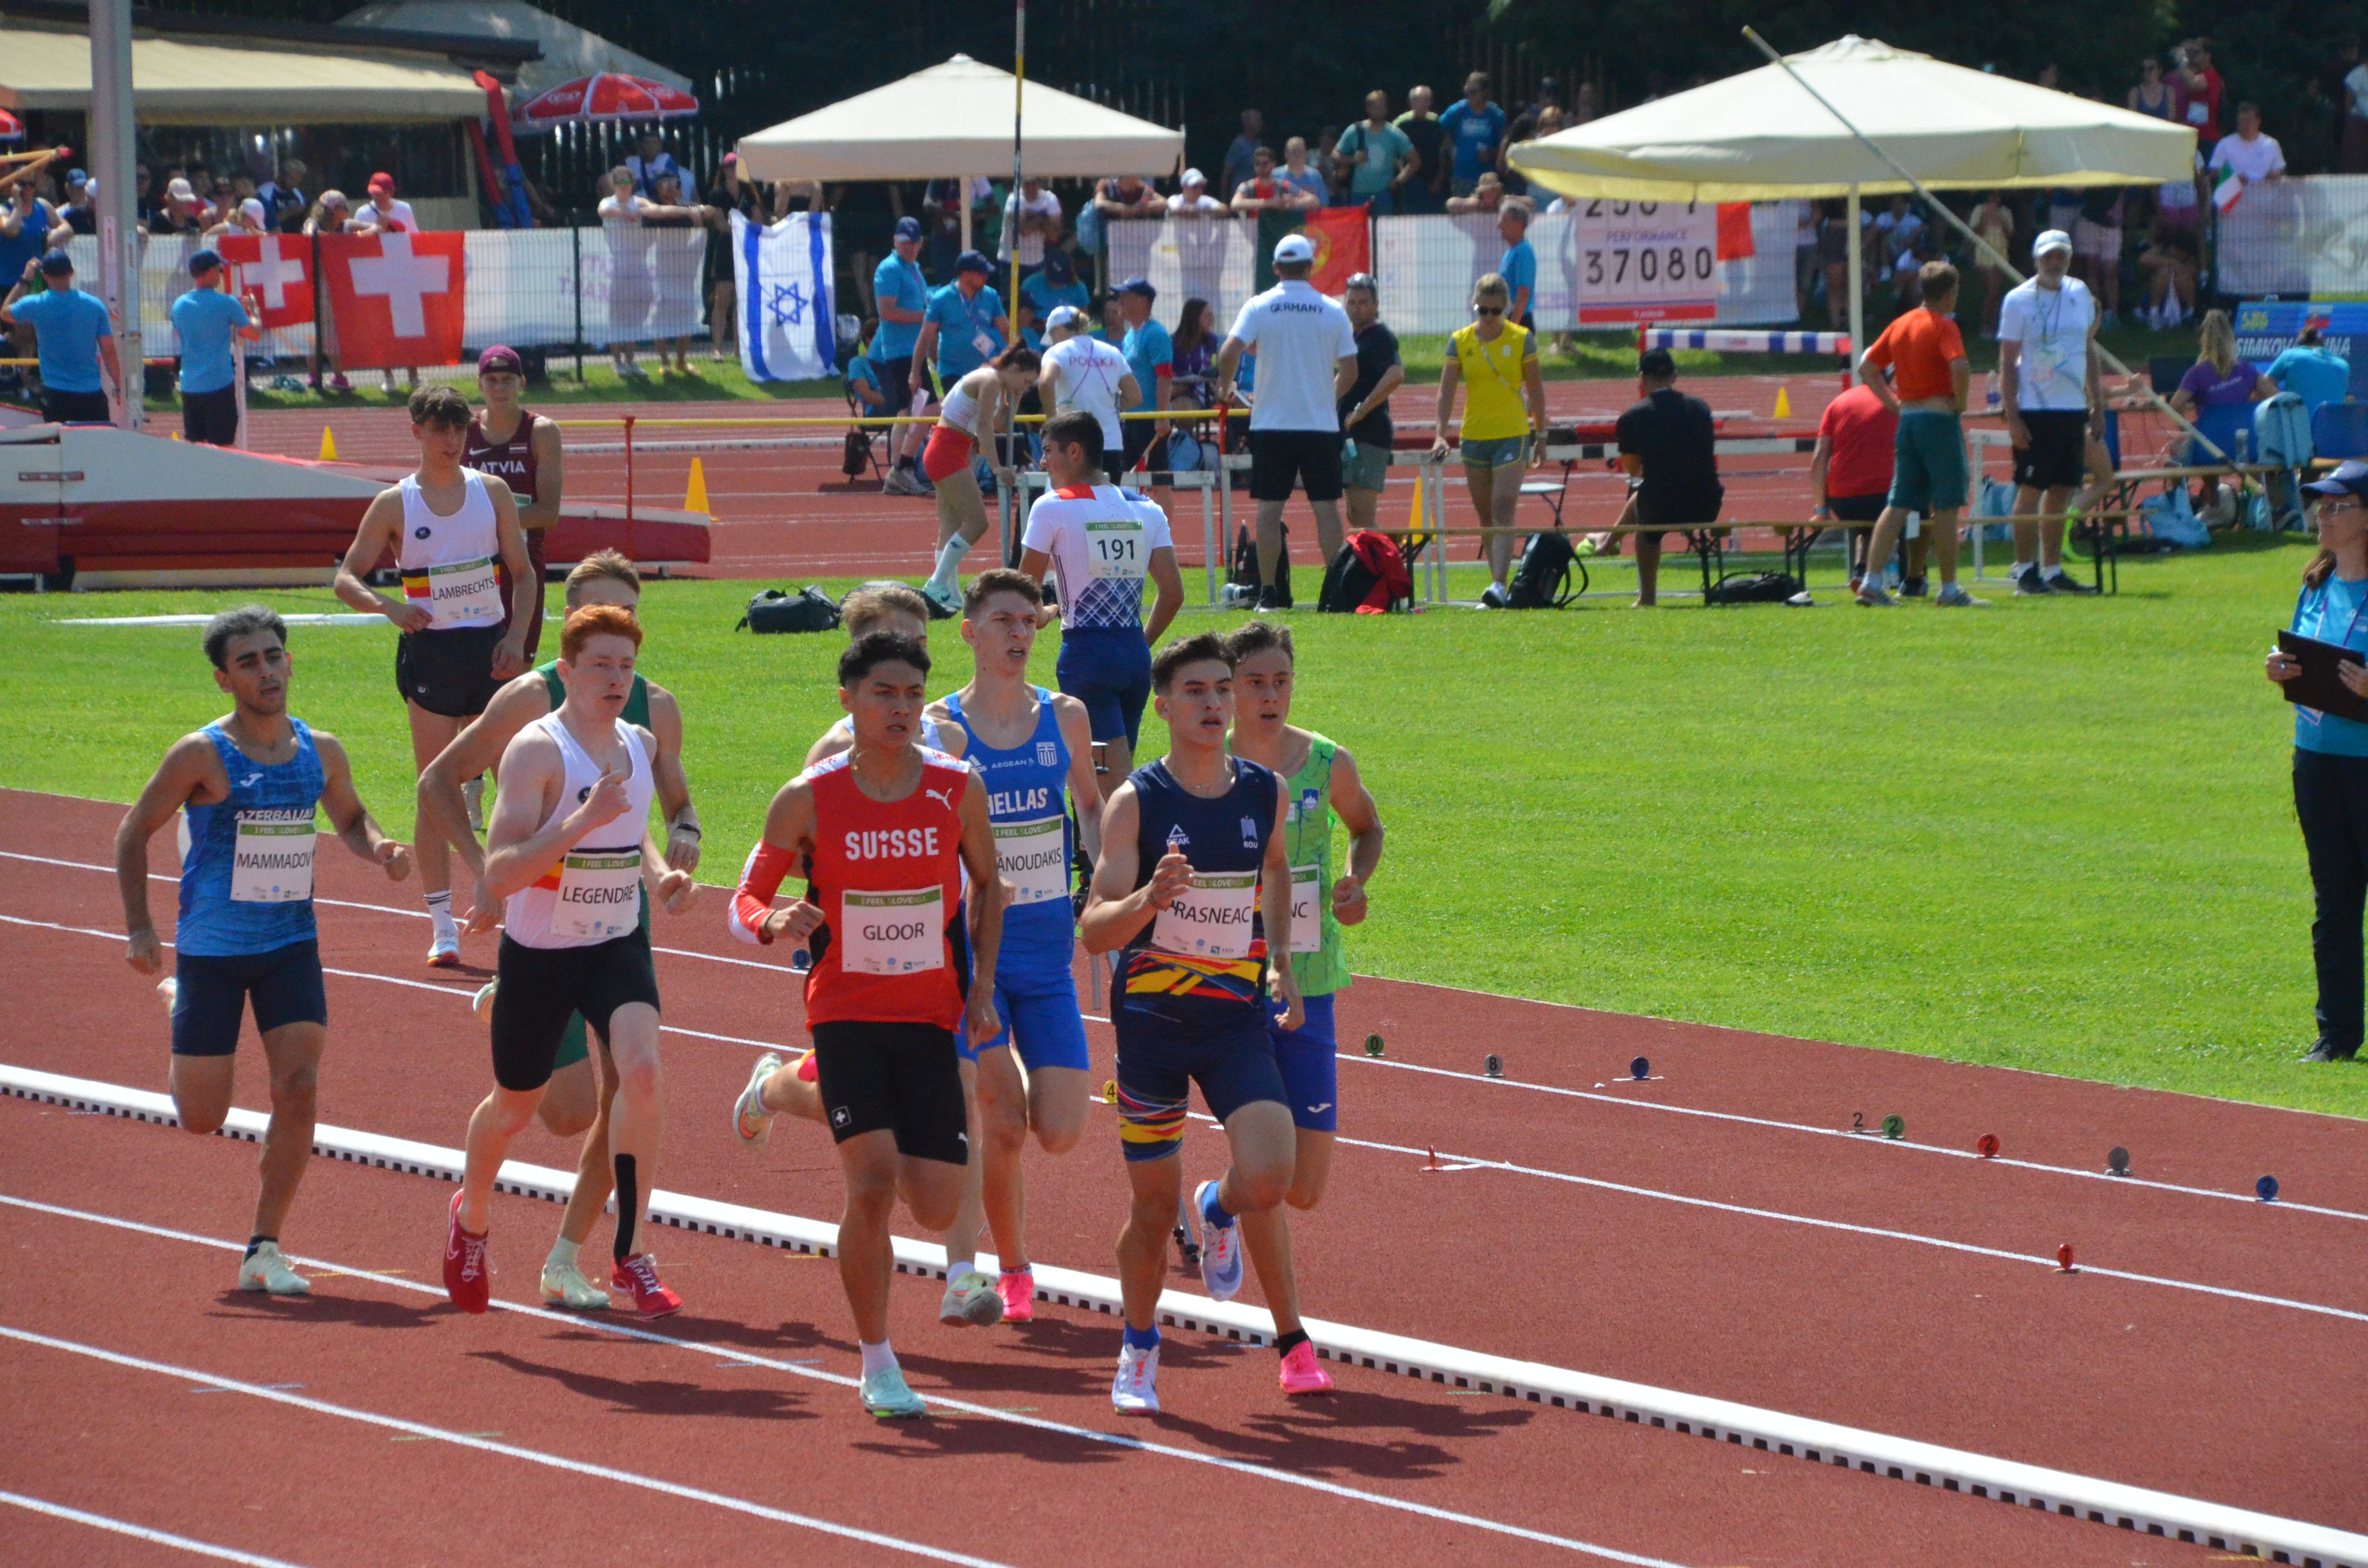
[{"x": 1498, "y": 362}]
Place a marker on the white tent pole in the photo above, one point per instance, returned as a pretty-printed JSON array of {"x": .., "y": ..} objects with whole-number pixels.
[
  {"x": 961, "y": 200},
  {"x": 1858, "y": 348},
  {"x": 113, "y": 134},
  {"x": 1857, "y": 284}
]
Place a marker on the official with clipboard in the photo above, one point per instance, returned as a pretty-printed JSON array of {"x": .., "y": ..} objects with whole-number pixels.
[{"x": 2323, "y": 656}]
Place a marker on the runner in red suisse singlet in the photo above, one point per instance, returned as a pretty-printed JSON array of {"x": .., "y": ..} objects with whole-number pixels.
[{"x": 899, "y": 954}]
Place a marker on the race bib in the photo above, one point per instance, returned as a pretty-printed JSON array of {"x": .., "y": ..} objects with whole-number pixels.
[
  {"x": 1211, "y": 919},
  {"x": 1033, "y": 857},
  {"x": 893, "y": 933},
  {"x": 460, "y": 593},
  {"x": 1114, "y": 551},
  {"x": 1308, "y": 909},
  {"x": 272, "y": 862},
  {"x": 599, "y": 893}
]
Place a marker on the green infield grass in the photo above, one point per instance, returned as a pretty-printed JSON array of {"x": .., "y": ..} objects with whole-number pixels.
[{"x": 2054, "y": 835}]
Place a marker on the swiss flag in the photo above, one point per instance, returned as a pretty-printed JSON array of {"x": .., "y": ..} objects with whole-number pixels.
[
  {"x": 396, "y": 297},
  {"x": 277, "y": 269}
]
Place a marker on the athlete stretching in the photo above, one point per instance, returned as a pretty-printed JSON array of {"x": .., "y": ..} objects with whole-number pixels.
[
  {"x": 1194, "y": 889},
  {"x": 1319, "y": 782},
  {"x": 452, "y": 532},
  {"x": 576, "y": 1101},
  {"x": 1034, "y": 753},
  {"x": 569, "y": 850},
  {"x": 886, "y": 830},
  {"x": 250, "y": 782}
]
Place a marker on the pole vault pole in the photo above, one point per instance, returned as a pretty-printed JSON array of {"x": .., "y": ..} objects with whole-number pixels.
[
  {"x": 1868, "y": 143},
  {"x": 1018, "y": 88}
]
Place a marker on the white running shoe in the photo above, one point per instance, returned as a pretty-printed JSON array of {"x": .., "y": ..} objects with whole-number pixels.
[
  {"x": 1221, "y": 1250},
  {"x": 751, "y": 1122},
  {"x": 483, "y": 1002},
  {"x": 443, "y": 951},
  {"x": 970, "y": 1298},
  {"x": 472, "y": 795},
  {"x": 563, "y": 1285},
  {"x": 267, "y": 1271},
  {"x": 884, "y": 1395},
  {"x": 1135, "y": 1390}
]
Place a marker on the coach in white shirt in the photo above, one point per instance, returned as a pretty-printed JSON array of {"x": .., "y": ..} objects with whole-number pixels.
[
  {"x": 2053, "y": 404},
  {"x": 1087, "y": 372},
  {"x": 1307, "y": 361}
]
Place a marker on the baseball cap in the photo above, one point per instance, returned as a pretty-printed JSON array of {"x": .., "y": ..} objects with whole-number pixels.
[
  {"x": 381, "y": 181},
  {"x": 2348, "y": 479},
  {"x": 501, "y": 357},
  {"x": 203, "y": 262},
  {"x": 178, "y": 190},
  {"x": 1293, "y": 249},
  {"x": 908, "y": 228},
  {"x": 75, "y": 177},
  {"x": 57, "y": 264},
  {"x": 2054, "y": 238},
  {"x": 1063, "y": 315},
  {"x": 972, "y": 261},
  {"x": 1058, "y": 267},
  {"x": 1139, "y": 286},
  {"x": 1656, "y": 362},
  {"x": 1194, "y": 177},
  {"x": 252, "y": 207}
]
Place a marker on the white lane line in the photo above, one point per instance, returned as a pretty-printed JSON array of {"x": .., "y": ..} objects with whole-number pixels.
[
  {"x": 1856, "y": 1139},
  {"x": 141, "y": 1532},
  {"x": 1473, "y": 1162},
  {"x": 508, "y": 1451},
  {"x": 803, "y": 1369}
]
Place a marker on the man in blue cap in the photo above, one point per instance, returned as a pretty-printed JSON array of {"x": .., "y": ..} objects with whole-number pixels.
[
  {"x": 78, "y": 214},
  {"x": 1151, "y": 355},
  {"x": 902, "y": 297},
  {"x": 964, "y": 326},
  {"x": 1054, "y": 285},
  {"x": 76, "y": 338},
  {"x": 204, "y": 319}
]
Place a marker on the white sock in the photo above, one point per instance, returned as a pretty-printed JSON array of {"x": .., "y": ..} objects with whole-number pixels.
[
  {"x": 439, "y": 910},
  {"x": 877, "y": 1358},
  {"x": 948, "y": 571},
  {"x": 563, "y": 1254},
  {"x": 2055, "y": 571}
]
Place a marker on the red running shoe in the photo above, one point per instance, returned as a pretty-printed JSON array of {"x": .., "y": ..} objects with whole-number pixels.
[
  {"x": 639, "y": 1275},
  {"x": 464, "y": 1265},
  {"x": 1303, "y": 1373}
]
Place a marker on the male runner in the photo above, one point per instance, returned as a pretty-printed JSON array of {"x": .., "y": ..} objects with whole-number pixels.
[
  {"x": 576, "y": 1101},
  {"x": 1194, "y": 888},
  {"x": 886, "y": 830},
  {"x": 250, "y": 782},
  {"x": 522, "y": 450},
  {"x": 1103, "y": 541},
  {"x": 1032, "y": 750},
  {"x": 1319, "y": 781},
  {"x": 453, "y": 531},
  {"x": 570, "y": 851}
]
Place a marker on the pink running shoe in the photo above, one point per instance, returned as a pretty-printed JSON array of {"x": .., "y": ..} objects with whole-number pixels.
[
  {"x": 464, "y": 1265},
  {"x": 1303, "y": 1373},
  {"x": 638, "y": 1274},
  {"x": 1018, "y": 1293}
]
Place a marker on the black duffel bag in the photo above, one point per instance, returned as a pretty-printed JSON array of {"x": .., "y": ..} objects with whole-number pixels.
[
  {"x": 1754, "y": 588},
  {"x": 776, "y": 609}
]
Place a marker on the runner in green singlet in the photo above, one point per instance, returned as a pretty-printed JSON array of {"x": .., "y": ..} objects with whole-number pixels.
[
  {"x": 577, "y": 1099},
  {"x": 1327, "y": 891}
]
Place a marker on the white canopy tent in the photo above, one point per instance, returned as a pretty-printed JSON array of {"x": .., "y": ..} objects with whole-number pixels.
[
  {"x": 955, "y": 119},
  {"x": 1759, "y": 137},
  {"x": 569, "y": 52}
]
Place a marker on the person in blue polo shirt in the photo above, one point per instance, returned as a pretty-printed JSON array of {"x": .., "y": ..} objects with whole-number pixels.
[
  {"x": 1475, "y": 129},
  {"x": 2312, "y": 372},
  {"x": 902, "y": 295},
  {"x": 1054, "y": 285},
  {"x": 964, "y": 326},
  {"x": 75, "y": 336},
  {"x": 204, "y": 319},
  {"x": 1151, "y": 355},
  {"x": 1519, "y": 266}
]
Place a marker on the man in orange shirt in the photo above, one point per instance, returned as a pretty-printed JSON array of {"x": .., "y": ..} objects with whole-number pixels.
[{"x": 1929, "y": 375}]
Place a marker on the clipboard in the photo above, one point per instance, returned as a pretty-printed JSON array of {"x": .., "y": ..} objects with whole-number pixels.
[{"x": 2318, "y": 686}]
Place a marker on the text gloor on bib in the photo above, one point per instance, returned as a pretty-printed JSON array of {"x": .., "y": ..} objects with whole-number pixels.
[
  {"x": 461, "y": 593},
  {"x": 893, "y": 933},
  {"x": 599, "y": 893},
  {"x": 272, "y": 861},
  {"x": 1033, "y": 857},
  {"x": 1114, "y": 550},
  {"x": 1306, "y": 909},
  {"x": 1211, "y": 919}
]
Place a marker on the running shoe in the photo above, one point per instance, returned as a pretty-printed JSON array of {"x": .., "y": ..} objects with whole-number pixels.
[
  {"x": 483, "y": 1001},
  {"x": 1492, "y": 598},
  {"x": 1911, "y": 587},
  {"x": 338, "y": 383},
  {"x": 942, "y": 607},
  {"x": 903, "y": 481},
  {"x": 970, "y": 1298},
  {"x": 1952, "y": 596},
  {"x": 751, "y": 1122},
  {"x": 1267, "y": 599},
  {"x": 1221, "y": 1249},
  {"x": 1135, "y": 1390},
  {"x": 169, "y": 989},
  {"x": 1303, "y": 1373},
  {"x": 444, "y": 952},
  {"x": 2065, "y": 583},
  {"x": 638, "y": 1276},
  {"x": 2027, "y": 579},
  {"x": 2327, "y": 1051},
  {"x": 1870, "y": 595},
  {"x": 563, "y": 1285},
  {"x": 885, "y": 1396},
  {"x": 1019, "y": 1293},
  {"x": 472, "y": 795},
  {"x": 465, "y": 1278},
  {"x": 266, "y": 1270}
]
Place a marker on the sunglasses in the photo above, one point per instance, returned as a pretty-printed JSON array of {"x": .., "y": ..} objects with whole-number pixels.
[{"x": 1487, "y": 310}]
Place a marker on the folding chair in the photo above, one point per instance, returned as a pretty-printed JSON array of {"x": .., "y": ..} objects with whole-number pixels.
[
  {"x": 866, "y": 439},
  {"x": 2339, "y": 431}
]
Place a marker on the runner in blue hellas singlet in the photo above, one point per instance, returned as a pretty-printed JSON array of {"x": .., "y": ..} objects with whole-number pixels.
[{"x": 250, "y": 784}]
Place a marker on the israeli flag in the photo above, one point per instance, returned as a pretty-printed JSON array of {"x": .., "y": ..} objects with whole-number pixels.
[{"x": 783, "y": 273}]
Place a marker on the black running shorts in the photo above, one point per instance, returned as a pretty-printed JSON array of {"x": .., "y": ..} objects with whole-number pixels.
[
  {"x": 2058, "y": 456},
  {"x": 542, "y": 988},
  {"x": 900, "y": 1078},
  {"x": 450, "y": 673},
  {"x": 1312, "y": 457}
]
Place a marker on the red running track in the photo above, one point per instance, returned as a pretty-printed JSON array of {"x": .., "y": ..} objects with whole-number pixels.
[{"x": 1778, "y": 1264}]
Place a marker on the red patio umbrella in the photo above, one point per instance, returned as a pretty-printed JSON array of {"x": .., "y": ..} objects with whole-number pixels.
[
  {"x": 605, "y": 97},
  {"x": 11, "y": 128}
]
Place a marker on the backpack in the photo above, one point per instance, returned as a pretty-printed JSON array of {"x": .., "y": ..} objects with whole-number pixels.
[
  {"x": 856, "y": 458},
  {"x": 1754, "y": 588},
  {"x": 1541, "y": 578},
  {"x": 2171, "y": 519},
  {"x": 1368, "y": 578},
  {"x": 808, "y": 609}
]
